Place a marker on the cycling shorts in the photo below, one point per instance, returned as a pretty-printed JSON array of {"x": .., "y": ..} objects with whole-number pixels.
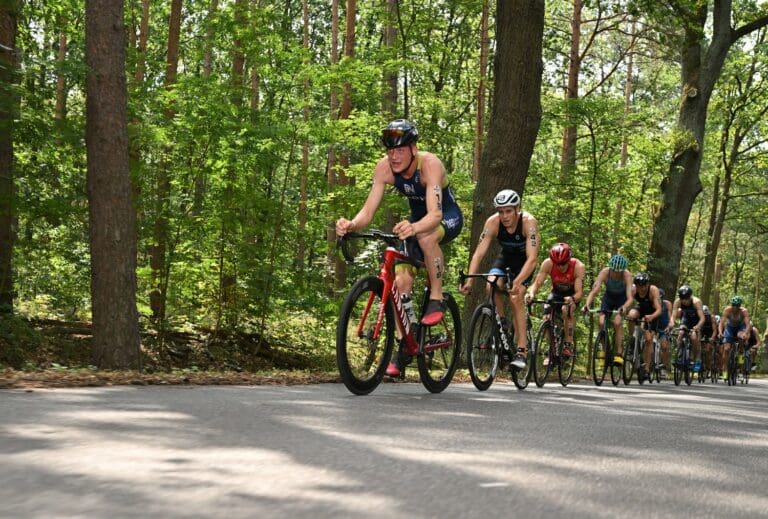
[
  {"x": 612, "y": 301},
  {"x": 731, "y": 332},
  {"x": 450, "y": 227}
]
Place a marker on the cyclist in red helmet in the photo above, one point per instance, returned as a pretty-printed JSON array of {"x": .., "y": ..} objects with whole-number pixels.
[
  {"x": 567, "y": 277},
  {"x": 435, "y": 216}
]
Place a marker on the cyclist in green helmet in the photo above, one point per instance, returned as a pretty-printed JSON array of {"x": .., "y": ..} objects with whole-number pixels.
[{"x": 618, "y": 296}]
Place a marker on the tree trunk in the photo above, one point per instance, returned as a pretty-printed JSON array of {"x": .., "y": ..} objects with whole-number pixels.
[
  {"x": 209, "y": 32},
  {"x": 333, "y": 259},
  {"x": 483, "y": 72},
  {"x": 9, "y": 13},
  {"x": 701, "y": 67},
  {"x": 516, "y": 112},
  {"x": 116, "y": 340},
  {"x": 568, "y": 151},
  {"x": 710, "y": 253},
  {"x": 389, "y": 99},
  {"x": 141, "y": 58},
  {"x": 616, "y": 232},
  {"x": 301, "y": 234}
]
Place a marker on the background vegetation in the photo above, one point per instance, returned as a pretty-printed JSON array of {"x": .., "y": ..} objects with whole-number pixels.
[{"x": 266, "y": 133}]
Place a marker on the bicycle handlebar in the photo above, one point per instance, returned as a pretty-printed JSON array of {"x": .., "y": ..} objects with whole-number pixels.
[{"x": 374, "y": 234}]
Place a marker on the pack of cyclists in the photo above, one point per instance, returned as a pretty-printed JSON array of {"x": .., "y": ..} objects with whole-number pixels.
[{"x": 436, "y": 219}]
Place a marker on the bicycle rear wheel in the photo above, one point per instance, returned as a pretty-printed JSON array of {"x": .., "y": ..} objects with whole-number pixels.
[
  {"x": 747, "y": 368},
  {"x": 483, "y": 347},
  {"x": 679, "y": 363},
  {"x": 544, "y": 348},
  {"x": 442, "y": 348},
  {"x": 566, "y": 365},
  {"x": 362, "y": 356},
  {"x": 687, "y": 370},
  {"x": 600, "y": 353},
  {"x": 732, "y": 366}
]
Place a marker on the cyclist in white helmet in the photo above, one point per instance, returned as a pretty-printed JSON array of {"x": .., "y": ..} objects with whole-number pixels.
[{"x": 518, "y": 234}]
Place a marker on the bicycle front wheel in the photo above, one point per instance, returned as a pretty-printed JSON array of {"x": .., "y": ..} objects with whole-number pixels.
[
  {"x": 362, "y": 353},
  {"x": 600, "y": 358},
  {"x": 442, "y": 348},
  {"x": 544, "y": 353},
  {"x": 629, "y": 363},
  {"x": 687, "y": 369},
  {"x": 483, "y": 347},
  {"x": 566, "y": 365},
  {"x": 747, "y": 368},
  {"x": 521, "y": 377}
]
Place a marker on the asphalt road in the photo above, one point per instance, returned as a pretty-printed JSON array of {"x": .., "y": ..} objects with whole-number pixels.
[{"x": 318, "y": 451}]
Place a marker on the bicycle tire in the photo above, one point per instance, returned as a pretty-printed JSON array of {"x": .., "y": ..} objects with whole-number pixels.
[
  {"x": 600, "y": 363},
  {"x": 628, "y": 368},
  {"x": 616, "y": 369},
  {"x": 732, "y": 366},
  {"x": 521, "y": 377},
  {"x": 544, "y": 347},
  {"x": 360, "y": 359},
  {"x": 483, "y": 348},
  {"x": 680, "y": 361},
  {"x": 747, "y": 368},
  {"x": 566, "y": 364},
  {"x": 437, "y": 366},
  {"x": 687, "y": 370}
]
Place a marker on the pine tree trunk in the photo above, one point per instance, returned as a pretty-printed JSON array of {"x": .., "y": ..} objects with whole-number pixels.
[
  {"x": 9, "y": 13},
  {"x": 515, "y": 115},
  {"x": 116, "y": 341}
]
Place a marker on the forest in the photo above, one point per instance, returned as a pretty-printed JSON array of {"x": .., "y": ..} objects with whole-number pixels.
[{"x": 171, "y": 171}]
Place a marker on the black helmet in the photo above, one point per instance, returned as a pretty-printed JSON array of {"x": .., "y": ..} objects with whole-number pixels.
[
  {"x": 685, "y": 292},
  {"x": 400, "y": 132},
  {"x": 642, "y": 279}
]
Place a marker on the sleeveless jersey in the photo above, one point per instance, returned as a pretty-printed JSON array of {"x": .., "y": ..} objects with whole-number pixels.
[
  {"x": 644, "y": 304},
  {"x": 737, "y": 320},
  {"x": 563, "y": 282},
  {"x": 513, "y": 254},
  {"x": 615, "y": 286},
  {"x": 690, "y": 317},
  {"x": 416, "y": 194},
  {"x": 707, "y": 330}
]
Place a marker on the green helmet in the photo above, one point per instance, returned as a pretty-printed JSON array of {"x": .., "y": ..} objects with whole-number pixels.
[
  {"x": 736, "y": 301},
  {"x": 618, "y": 263}
]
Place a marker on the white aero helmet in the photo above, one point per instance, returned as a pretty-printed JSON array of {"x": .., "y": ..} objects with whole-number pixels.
[{"x": 506, "y": 198}]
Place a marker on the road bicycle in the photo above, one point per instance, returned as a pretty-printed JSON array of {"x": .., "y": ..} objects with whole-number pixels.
[
  {"x": 548, "y": 346},
  {"x": 373, "y": 312},
  {"x": 711, "y": 360},
  {"x": 603, "y": 351},
  {"x": 683, "y": 366},
  {"x": 654, "y": 370},
  {"x": 739, "y": 363},
  {"x": 490, "y": 346},
  {"x": 633, "y": 353}
]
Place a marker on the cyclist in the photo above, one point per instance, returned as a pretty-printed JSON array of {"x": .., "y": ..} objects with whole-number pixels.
[
  {"x": 567, "y": 277},
  {"x": 435, "y": 216},
  {"x": 691, "y": 313},
  {"x": 648, "y": 310},
  {"x": 734, "y": 324},
  {"x": 663, "y": 331},
  {"x": 517, "y": 233},
  {"x": 752, "y": 344},
  {"x": 709, "y": 337},
  {"x": 618, "y": 296}
]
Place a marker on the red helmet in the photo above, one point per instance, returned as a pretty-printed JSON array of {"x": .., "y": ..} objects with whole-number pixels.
[{"x": 560, "y": 253}]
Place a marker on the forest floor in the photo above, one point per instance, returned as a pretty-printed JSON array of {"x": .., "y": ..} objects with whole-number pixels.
[{"x": 48, "y": 353}]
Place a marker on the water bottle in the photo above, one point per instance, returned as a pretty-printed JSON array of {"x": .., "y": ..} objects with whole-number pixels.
[{"x": 407, "y": 303}]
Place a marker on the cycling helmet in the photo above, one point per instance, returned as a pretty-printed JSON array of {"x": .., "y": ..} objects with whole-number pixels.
[
  {"x": 618, "y": 263},
  {"x": 685, "y": 292},
  {"x": 642, "y": 279},
  {"x": 661, "y": 293},
  {"x": 736, "y": 301},
  {"x": 560, "y": 253},
  {"x": 400, "y": 132},
  {"x": 705, "y": 309},
  {"x": 506, "y": 198}
]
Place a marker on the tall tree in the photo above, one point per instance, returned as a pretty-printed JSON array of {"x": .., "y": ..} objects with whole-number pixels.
[
  {"x": 116, "y": 341},
  {"x": 516, "y": 111},
  {"x": 480, "y": 115},
  {"x": 9, "y": 13},
  {"x": 702, "y": 59}
]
